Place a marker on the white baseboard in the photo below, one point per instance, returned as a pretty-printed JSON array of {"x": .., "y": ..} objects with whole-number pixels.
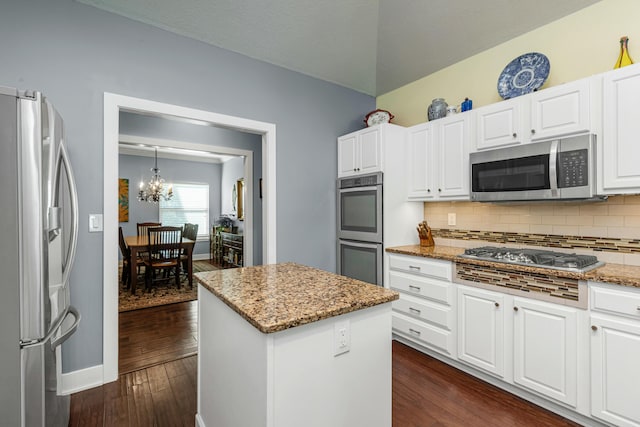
[
  {"x": 82, "y": 379},
  {"x": 199, "y": 422}
]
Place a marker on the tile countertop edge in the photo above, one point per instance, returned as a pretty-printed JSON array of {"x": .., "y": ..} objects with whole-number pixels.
[
  {"x": 618, "y": 274},
  {"x": 271, "y": 325}
]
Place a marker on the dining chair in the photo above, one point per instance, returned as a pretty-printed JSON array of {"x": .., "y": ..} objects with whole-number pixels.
[
  {"x": 126, "y": 260},
  {"x": 163, "y": 254},
  {"x": 190, "y": 231},
  {"x": 144, "y": 226}
]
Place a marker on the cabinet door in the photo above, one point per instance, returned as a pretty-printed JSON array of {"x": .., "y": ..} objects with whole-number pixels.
[
  {"x": 499, "y": 125},
  {"x": 453, "y": 157},
  {"x": 347, "y": 155},
  {"x": 561, "y": 110},
  {"x": 615, "y": 352},
  {"x": 421, "y": 162},
  {"x": 481, "y": 325},
  {"x": 620, "y": 130},
  {"x": 369, "y": 151},
  {"x": 545, "y": 349}
]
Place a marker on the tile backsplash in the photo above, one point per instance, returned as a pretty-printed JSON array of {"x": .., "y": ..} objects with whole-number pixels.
[{"x": 611, "y": 227}]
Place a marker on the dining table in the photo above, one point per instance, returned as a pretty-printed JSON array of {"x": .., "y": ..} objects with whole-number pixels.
[{"x": 139, "y": 244}]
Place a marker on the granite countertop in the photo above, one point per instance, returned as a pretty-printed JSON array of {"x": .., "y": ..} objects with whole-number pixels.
[
  {"x": 626, "y": 275},
  {"x": 280, "y": 296}
]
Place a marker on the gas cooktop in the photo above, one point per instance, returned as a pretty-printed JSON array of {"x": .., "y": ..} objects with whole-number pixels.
[{"x": 535, "y": 258}]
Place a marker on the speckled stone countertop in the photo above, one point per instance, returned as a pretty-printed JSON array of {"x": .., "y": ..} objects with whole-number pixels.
[
  {"x": 281, "y": 296},
  {"x": 626, "y": 275}
]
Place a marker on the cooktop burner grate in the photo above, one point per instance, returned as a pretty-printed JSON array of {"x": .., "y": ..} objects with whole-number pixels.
[{"x": 535, "y": 257}]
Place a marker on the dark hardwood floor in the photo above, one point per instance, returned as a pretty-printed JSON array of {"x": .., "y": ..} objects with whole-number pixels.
[
  {"x": 426, "y": 392},
  {"x": 155, "y": 335}
]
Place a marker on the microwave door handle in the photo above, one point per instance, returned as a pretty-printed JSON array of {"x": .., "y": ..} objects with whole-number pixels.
[{"x": 553, "y": 166}]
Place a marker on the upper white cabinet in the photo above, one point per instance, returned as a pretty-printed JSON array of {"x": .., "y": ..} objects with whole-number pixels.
[
  {"x": 561, "y": 110},
  {"x": 438, "y": 159},
  {"x": 557, "y": 111},
  {"x": 360, "y": 152},
  {"x": 619, "y": 150},
  {"x": 500, "y": 124}
]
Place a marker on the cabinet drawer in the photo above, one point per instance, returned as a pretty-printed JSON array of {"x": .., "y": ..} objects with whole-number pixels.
[
  {"x": 423, "y": 333},
  {"x": 420, "y": 309},
  {"x": 424, "y": 287},
  {"x": 426, "y": 267},
  {"x": 615, "y": 301}
]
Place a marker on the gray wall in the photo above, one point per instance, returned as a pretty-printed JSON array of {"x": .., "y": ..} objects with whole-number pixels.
[
  {"x": 136, "y": 168},
  {"x": 74, "y": 53}
]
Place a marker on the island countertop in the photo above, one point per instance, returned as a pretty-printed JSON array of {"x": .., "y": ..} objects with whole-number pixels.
[{"x": 276, "y": 297}]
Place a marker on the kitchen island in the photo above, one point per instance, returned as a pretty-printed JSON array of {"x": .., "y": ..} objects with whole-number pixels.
[{"x": 287, "y": 345}]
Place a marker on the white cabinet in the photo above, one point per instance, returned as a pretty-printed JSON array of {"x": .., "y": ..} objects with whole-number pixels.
[
  {"x": 499, "y": 124},
  {"x": 619, "y": 150},
  {"x": 425, "y": 313},
  {"x": 554, "y": 112},
  {"x": 360, "y": 152},
  {"x": 615, "y": 352},
  {"x": 438, "y": 159},
  {"x": 481, "y": 329},
  {"x": 545, "y": 355},
  {"x": 561, "y": 110}
]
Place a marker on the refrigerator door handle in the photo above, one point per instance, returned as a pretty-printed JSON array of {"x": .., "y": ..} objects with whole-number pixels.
[
  {"x": 54, "y": 328},
  {"x": 65, "y": 336},
  {"x": 73, "y": 197}
]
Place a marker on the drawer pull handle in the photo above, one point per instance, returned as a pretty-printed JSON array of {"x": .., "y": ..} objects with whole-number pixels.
[
  {"x": 496, "y": 304},
  {"x": 413, "y": 267},
  {"x": 414, "y": 288},
  {"x": 414, "y": 310},
  {"x": 413, "y": 331},
  {"x": 594, "y": 328}
]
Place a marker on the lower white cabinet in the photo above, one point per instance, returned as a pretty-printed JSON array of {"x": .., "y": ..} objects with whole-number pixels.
[
  {"x": 615, "y": 355},
  {"x": 539, "y": 340},
  {"x": 545, "y": 349},
  {"x": 481, "y": 329},
  {"x": 425, "y": 313}
]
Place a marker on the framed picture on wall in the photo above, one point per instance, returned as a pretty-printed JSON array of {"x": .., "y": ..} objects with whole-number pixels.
[{"x": 123, "y": 200}]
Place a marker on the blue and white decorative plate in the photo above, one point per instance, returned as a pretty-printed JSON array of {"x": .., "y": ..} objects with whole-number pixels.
[{"x": 523, "y": 75}]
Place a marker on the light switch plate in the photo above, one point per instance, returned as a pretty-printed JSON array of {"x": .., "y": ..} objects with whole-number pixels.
[
  {"x": 451, "y": 219},
  {"x": 95, "y": 223}
]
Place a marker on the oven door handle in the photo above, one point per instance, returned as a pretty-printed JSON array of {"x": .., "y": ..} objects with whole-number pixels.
[
  {"x": 359, "y": 244},
  {"x": 356, "y": 189}
]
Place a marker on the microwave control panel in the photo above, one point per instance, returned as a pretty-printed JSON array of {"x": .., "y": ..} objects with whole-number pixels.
[{"x": 573, "y": 168}]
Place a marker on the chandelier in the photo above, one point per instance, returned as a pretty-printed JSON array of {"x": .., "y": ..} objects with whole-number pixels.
[{"x": 154, "y": 191}]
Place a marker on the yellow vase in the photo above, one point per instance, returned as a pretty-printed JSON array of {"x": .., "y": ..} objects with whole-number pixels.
[{"x": 624, "y": 58}]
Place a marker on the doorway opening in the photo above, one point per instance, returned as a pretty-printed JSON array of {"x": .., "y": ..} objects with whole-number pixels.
[{"x": 113, "y": 105}]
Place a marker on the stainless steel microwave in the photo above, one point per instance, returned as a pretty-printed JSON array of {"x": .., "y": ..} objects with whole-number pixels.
[{"x": 549, "y": 170}]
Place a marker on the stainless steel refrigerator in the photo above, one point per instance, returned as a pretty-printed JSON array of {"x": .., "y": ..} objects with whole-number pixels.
[{"x": 38, "y": 234}]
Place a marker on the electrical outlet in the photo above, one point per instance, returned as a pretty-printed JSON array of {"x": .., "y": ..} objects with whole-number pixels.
[
  {"x": 341, "y": 337},
  {"x": 451, "y": 219}
]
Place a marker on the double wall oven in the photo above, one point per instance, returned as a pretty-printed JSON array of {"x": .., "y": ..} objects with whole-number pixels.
[{"x": 360, "y": 227}]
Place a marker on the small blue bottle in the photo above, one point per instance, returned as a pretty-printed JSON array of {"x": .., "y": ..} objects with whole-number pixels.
[{"x": 466, "y": 105}]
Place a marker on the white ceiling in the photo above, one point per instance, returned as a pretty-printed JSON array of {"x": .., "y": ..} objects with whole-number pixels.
[{"x": 372, "y": 46}]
